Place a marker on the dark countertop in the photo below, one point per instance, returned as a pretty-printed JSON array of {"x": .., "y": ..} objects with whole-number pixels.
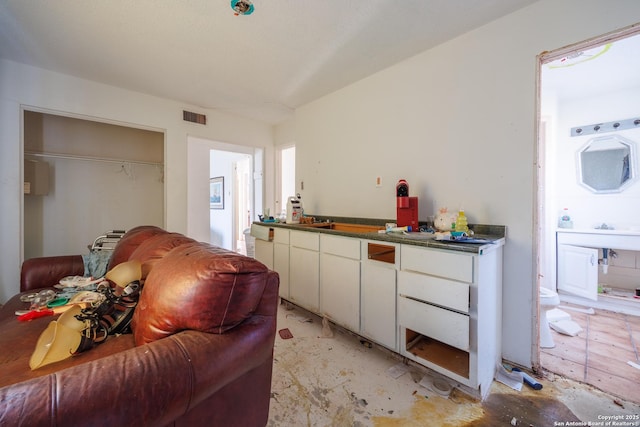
[{"x": 495, "y": 234}]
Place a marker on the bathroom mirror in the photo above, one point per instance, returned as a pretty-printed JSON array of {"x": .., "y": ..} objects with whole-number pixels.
[{"x": 606, "y": 164}]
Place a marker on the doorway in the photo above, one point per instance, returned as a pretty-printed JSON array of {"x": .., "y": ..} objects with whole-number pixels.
[
  {"x": 242, "y": 203},
  {"x": 217, "y": 223},
  {"x": 582, "y": 88},
  {"x": 286, "y": 178}
]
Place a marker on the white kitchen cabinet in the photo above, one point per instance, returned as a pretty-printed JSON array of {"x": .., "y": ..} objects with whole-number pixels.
[
  {"x": 340, "y": 280},
  {"x": 441, "y": 308},
  {"x": 281, "y": 259},
  {"x": 378, "y": 292},
  {"x": 449, "y": 312},
  {"x": 264, "y": 252},
  {"x": 304, "y": 269}
]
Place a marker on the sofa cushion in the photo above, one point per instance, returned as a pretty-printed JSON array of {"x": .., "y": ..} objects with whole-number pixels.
[
  {"x": 155, "y": 248},
  {"x": 130, "y": 242},
  {"x": 200, "y": 287}
]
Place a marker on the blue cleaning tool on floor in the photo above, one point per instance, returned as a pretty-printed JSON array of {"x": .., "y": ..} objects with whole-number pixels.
[{"x": 530, "y": 381}]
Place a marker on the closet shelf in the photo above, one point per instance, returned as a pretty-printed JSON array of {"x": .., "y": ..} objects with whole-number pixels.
[{"x": 89, "y": 158}]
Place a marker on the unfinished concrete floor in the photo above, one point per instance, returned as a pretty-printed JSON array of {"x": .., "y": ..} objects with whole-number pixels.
[{"x": 341, "y": 381}]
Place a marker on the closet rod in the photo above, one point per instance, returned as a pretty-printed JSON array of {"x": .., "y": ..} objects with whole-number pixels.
[{"x": 92, "y": 159}]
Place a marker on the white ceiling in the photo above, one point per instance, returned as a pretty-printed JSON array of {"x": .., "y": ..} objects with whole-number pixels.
[
  {"x": 605, "y": 68},
  {"x": 262, "y": 66}
]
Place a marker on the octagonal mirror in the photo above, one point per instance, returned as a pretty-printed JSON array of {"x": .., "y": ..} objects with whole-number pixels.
[{"x": 606, "y": 164}]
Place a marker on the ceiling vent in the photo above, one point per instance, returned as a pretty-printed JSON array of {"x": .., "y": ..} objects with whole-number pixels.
[{"x": 190, "y": 116}]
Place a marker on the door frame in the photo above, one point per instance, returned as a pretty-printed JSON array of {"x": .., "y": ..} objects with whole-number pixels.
[{"x": 540, "y": 225}]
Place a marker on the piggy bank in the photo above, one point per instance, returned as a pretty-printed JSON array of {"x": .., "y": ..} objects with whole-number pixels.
[{"x": 444, "y": 219}]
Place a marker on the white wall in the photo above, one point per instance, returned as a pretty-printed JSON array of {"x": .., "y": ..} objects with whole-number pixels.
[
  {"x": 39, "y": 89},
  {"x": 589, "y": 209},
  {"x": 457, "y": 122}
]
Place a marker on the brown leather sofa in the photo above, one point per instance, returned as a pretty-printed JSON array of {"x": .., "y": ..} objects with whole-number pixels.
[{"x": 201, "y": 351}]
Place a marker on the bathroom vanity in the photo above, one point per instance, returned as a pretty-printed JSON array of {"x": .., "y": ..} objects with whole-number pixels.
[
  {"x": 578, "y": 257},
  {"x": 438, "y": 304}
]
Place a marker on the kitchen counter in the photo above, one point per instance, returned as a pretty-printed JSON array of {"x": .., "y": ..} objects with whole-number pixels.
[
  {"x": 494, "y": 234},
  {"x": 437, "y": 303}
]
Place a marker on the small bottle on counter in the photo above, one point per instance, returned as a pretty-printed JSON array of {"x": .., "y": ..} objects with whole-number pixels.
[
  {"x": 461, "y": 222},
  {"x": 565, "y": 220}
]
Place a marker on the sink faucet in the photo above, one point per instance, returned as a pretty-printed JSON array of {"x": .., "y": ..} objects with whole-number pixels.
[{"x": 604, "y": 226}]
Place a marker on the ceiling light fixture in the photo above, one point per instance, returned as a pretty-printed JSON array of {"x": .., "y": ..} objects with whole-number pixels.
[{"x": 242, "y": 7}]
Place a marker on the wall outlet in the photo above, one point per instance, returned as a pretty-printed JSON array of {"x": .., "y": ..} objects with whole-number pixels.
[{"x": 378, "y": 181}]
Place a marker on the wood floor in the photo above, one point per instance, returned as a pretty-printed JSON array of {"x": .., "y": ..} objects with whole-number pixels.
[{"x": 599, "y": 354}]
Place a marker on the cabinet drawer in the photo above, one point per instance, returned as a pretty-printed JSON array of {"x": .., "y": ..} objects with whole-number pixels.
[
  {"x": 451, "y": 265},
  {"x": 305, "y": 239},
  {"x": 436, "y": 290},
  {"x": 281, "y": 236},
  {"x": 381, "y": 253},
  {"x": 434, "y": 322},
  {"x": 346, "y": 247}
]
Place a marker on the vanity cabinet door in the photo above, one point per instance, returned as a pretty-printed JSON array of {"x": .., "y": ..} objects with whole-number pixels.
[{"x": 578, "y": 271}]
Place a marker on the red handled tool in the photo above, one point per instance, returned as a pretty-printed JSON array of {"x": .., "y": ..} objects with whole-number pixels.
[{"x": 34, "y": 314}]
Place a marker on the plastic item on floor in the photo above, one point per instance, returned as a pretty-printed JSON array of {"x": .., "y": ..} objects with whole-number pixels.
[
  {"x": 326, "y": 329},
  {"x": 509, "y": 378},
  {"x": 438, "y": 385},
  {"x": 555, "y": 315},
  {"x": 397, "y": 370},
  {"x": 566, "y": 327},
  {"x": 529, "y": 380}
]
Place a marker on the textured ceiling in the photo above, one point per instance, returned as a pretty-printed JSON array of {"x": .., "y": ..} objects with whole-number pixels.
[{"x": 262, "y": 66}]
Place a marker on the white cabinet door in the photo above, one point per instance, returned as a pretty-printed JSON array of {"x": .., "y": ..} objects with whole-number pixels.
[
  {"x": 264, "y": 252},
  {"x": 340, "y": 290},
  {"x": 281, "y": 259},
  {"x": 281, "y": 265},
  {"x": 304, "y": 277},
  {"x": 378, "y": 303},
  {"x": 578, "y": 271}
]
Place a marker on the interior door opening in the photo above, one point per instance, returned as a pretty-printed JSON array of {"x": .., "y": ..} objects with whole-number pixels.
[
  {"x": 286, "y": 178},
  {"x": 242, "y": 204},
  {"x": 581, "y": 85}
]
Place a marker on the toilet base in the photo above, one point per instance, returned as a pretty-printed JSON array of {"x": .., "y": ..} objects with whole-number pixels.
[{"x": 546, "y": 339}]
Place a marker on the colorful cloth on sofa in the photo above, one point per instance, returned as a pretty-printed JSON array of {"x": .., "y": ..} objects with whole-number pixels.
[{"x": 96, "y": 263}]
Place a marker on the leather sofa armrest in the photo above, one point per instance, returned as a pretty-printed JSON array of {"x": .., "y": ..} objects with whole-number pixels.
[
  {"x": 149, "y": 385},
  {"x": 44, "y": 272}
]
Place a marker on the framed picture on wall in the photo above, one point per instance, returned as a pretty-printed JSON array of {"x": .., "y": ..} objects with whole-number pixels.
[{"x": 216, "y": 192}]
